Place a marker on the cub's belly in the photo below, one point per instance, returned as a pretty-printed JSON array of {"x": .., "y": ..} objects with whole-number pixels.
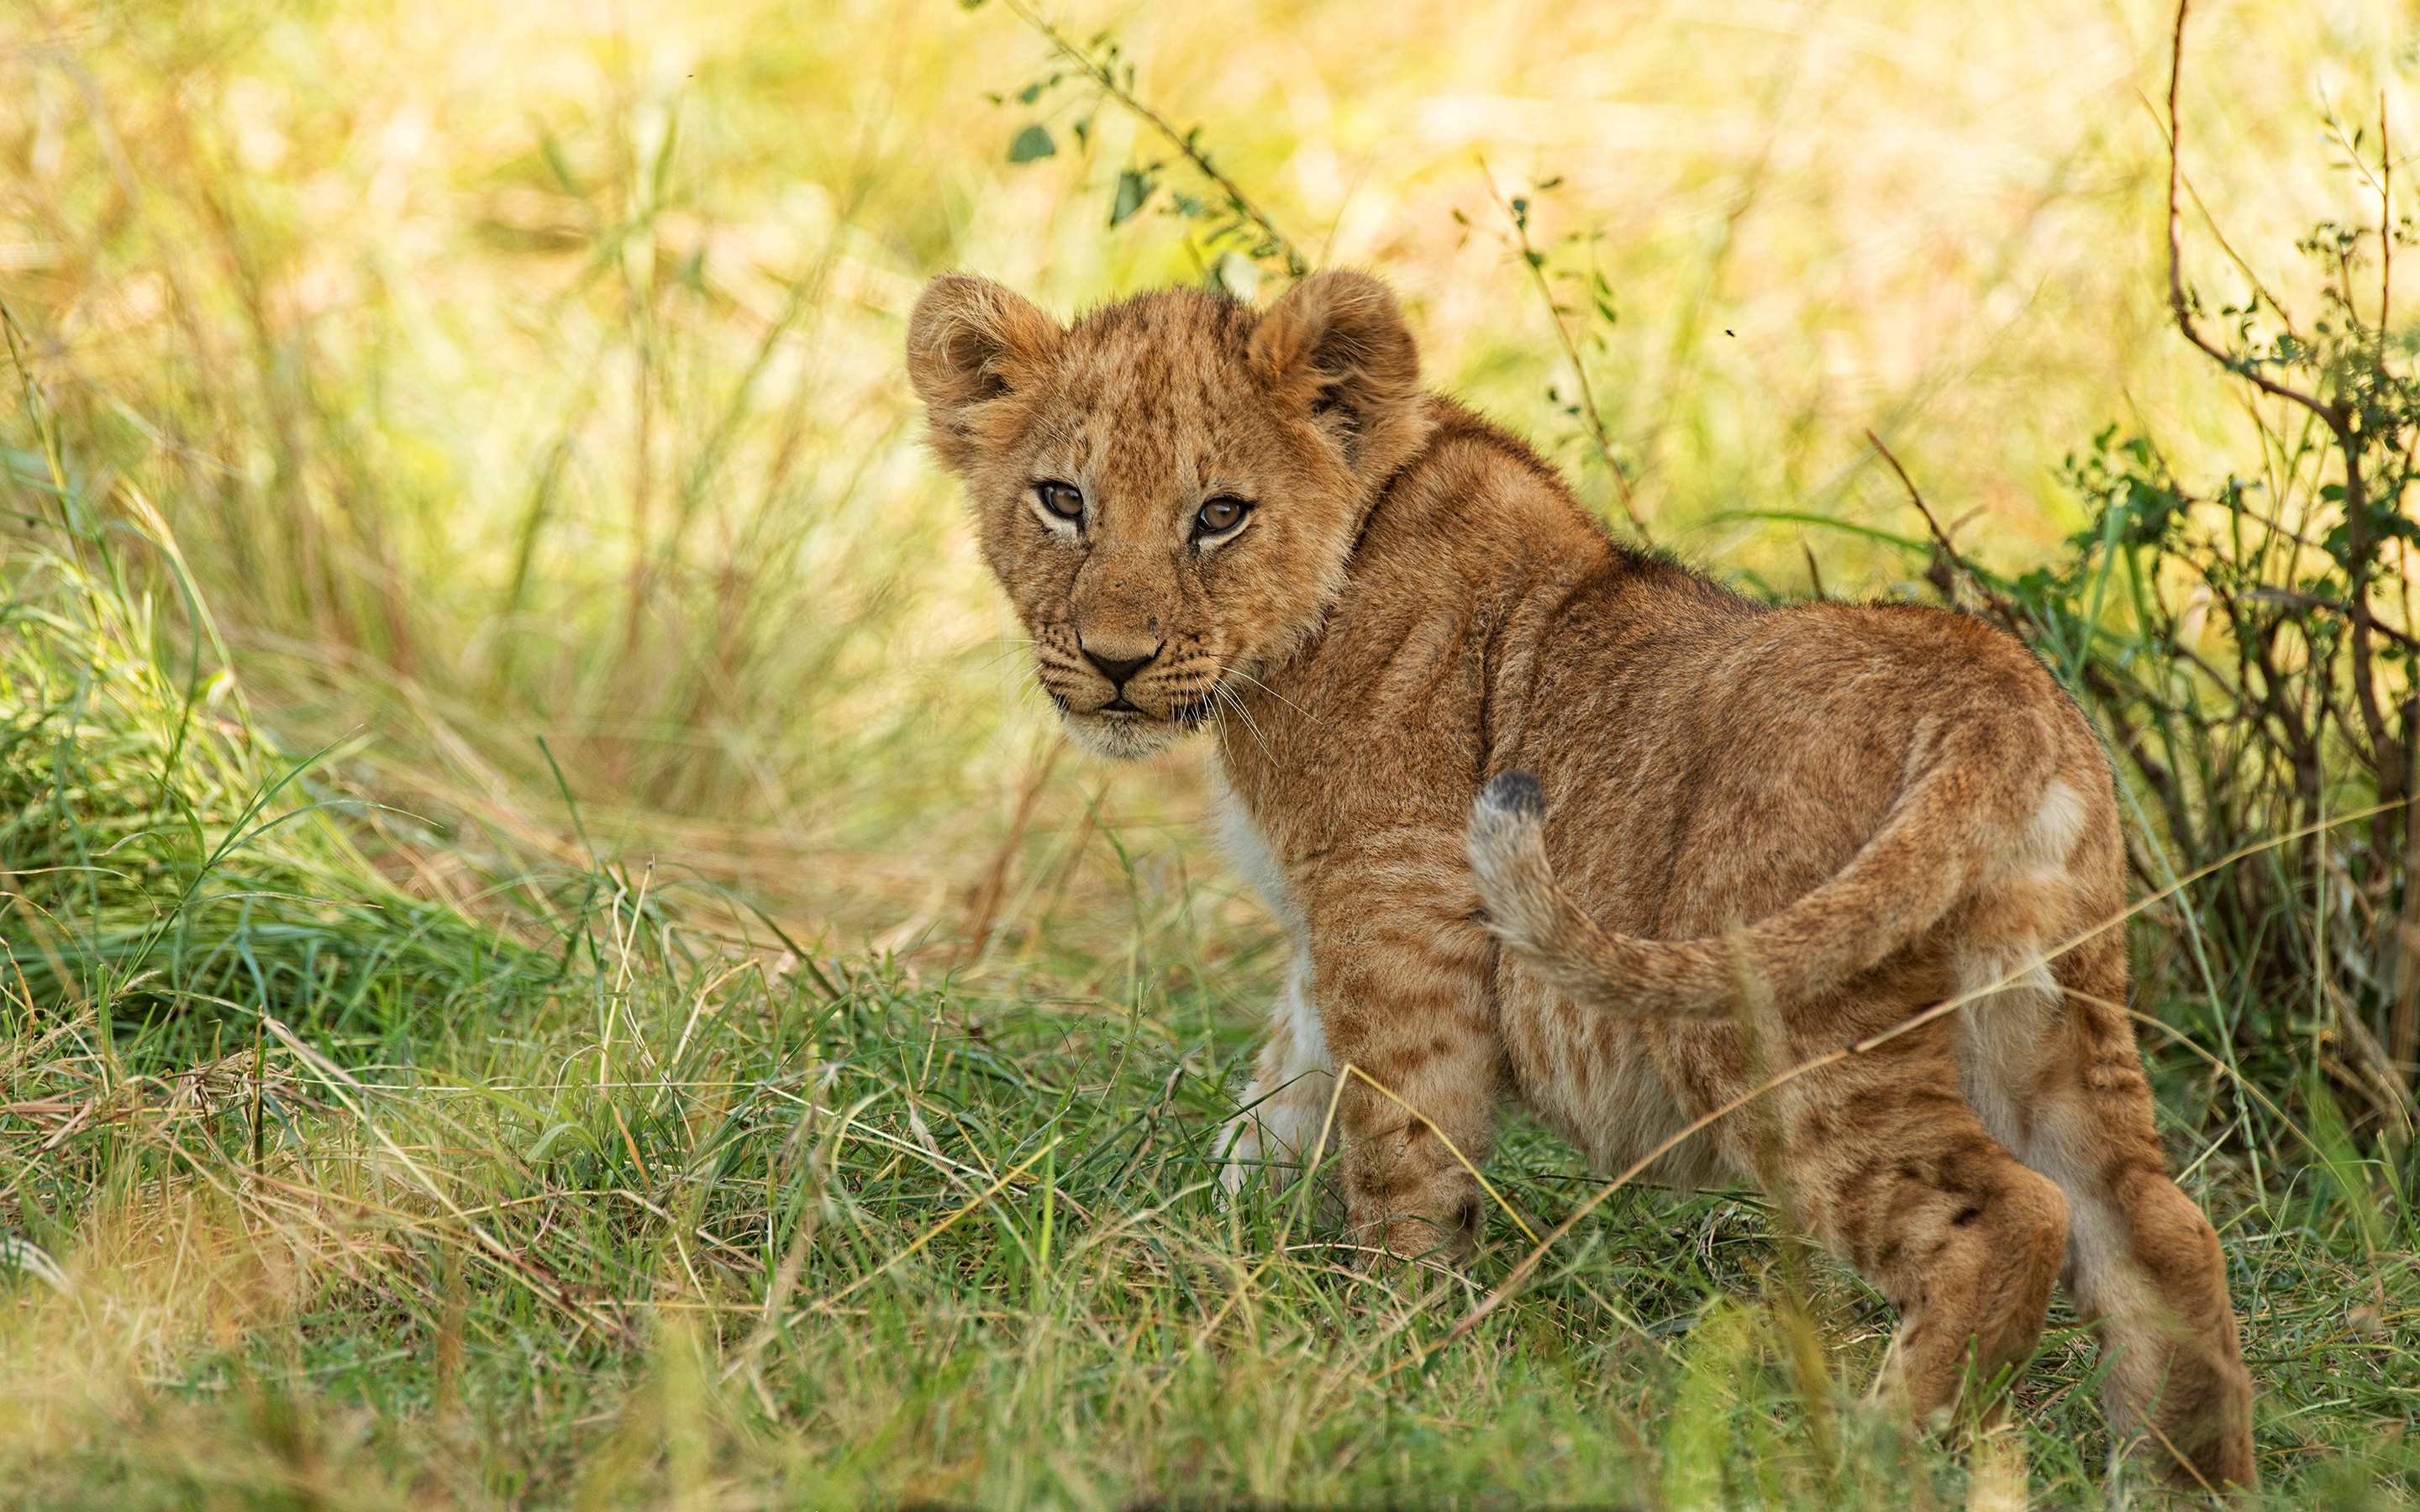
[{"x": 1592, "y": 1077}]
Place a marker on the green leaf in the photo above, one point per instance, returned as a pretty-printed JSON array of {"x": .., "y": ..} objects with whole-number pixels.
[
  {"x": 537, "y": 1152},
  {"x": 1031, "y": 143},
  {"x": 1133, "y": 189}
]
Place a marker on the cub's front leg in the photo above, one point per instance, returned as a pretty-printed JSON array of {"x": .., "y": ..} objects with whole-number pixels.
[
  {"x": 1271, "y": 1136},
  {"x": 1401, "y": 977}
]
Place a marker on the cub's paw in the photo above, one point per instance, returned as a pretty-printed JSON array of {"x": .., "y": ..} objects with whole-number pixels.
[
  {"x": 1239, "y": 1148},
  {"x": 1401, "y": 1242}
]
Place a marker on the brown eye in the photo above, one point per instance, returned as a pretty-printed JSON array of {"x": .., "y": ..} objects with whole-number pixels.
[
  {"x": 1060, "y": 498},
  {"x": 1218, "y": 516}
]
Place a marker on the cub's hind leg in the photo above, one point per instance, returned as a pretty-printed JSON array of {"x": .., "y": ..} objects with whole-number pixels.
[
  {"x": 1272, "y": 1134},
  {"x": 2144, "y": 1264},
  {"x": 1890, "y": 1168},
  {"x": 2051, "y": 1064}
]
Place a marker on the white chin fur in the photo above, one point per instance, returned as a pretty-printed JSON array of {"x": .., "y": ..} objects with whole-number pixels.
[{"x": 1122, "y": 740}]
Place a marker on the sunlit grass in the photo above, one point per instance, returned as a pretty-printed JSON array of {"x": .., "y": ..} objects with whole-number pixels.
[{"x": 752, "y": 1228}]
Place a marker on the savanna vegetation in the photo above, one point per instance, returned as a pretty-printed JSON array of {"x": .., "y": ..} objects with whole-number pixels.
[{"x": 552, "y": 956}]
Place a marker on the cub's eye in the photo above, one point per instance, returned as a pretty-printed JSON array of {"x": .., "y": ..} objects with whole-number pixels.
[
  {"x": 1219, "y": 516},
  {"x": 1062, "y": 499}
]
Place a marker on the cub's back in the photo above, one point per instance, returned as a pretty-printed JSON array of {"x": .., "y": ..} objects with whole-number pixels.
[{"x": 1711, "y": 761}]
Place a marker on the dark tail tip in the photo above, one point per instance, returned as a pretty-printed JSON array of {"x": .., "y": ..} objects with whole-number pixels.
[{"x": 1516, "y": 792}]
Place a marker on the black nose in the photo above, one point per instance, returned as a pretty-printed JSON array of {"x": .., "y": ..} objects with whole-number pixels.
[{"x": 1118, "y": 669}]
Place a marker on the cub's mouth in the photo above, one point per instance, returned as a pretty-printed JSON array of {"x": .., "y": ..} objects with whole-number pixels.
[{"x": 1120, "y": 727}]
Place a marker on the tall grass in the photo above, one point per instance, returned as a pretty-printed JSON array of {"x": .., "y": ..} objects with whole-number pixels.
[
  {"x": 552, "y": 958},
  {"x": 164, "y": 859}
]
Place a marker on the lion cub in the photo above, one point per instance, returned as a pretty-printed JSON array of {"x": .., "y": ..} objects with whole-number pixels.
[{"x": 1392, "y": 614}]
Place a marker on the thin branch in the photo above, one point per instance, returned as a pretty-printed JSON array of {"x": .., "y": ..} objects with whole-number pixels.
[
  {"x": 1105, "y": 78},
  {"x": 2218, "y": 234},
  {"x": 2296, "y": 599},
  {"x": 2004, "y": 611},
  {"x": 2178, "y": 304},
  {"x": 2337, "y": 416},
  {"x": 1602, "y": 440}
]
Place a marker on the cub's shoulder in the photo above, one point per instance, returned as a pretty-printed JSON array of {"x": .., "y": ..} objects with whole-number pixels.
[
  {"x": 1461, "y": 437},
  {"x": 1476, "y": 485}
]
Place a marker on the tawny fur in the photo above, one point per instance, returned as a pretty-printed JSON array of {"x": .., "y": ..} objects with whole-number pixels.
[{"x": 1846, "y": 813}]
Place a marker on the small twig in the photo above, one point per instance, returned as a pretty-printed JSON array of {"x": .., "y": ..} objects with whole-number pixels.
[
  {"x": 2297, "y": 598},
  {"x": 982, "y": 910},
  {"x": 1105, "y": 80},
  {"x": 1598, "y": 435},
  {"x": 1951, "y": 561},
  {"x": 2388, "y": 759},
  {"x": 2251, "y": 275},
  {"x": 2330, "y": 415}
]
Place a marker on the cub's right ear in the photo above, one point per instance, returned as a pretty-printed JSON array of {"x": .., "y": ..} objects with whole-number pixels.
[{"x": 969, "y": 342}]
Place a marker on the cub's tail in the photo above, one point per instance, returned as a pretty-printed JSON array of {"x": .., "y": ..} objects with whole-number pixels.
[{"x": 1966, "y": 804}]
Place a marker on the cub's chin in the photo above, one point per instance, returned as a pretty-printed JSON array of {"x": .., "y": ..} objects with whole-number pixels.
[{"x": 1126, "y": 738}]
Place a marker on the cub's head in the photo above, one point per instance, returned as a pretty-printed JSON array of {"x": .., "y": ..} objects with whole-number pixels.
[{"x": 1169, "y": 487}]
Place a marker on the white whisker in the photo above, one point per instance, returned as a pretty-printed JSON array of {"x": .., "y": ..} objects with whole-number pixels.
[
  {"x": 1238, "y": 671},
  {"x": 1226, "y": 696}
]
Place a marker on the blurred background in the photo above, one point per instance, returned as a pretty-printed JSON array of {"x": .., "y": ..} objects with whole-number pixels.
[{"x": 534, "y": 370}]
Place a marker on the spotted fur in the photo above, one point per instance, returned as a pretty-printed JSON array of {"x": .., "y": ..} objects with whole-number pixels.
[{"x": 1552, "y": 818}]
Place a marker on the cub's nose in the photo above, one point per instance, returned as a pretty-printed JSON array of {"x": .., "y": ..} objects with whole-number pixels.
[{"x": 1118, "y": 669}]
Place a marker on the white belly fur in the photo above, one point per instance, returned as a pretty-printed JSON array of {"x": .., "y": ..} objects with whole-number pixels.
[{"x": 1287, "y": 1102}]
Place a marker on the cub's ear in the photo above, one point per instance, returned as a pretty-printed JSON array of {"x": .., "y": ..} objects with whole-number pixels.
[
  {"x": 969, "y": 341},
  {"x": 1337, "y": 345}
]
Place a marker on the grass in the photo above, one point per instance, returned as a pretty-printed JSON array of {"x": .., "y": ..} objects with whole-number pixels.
[
  {"x": 702, "y": 1225},
  {"x": 552, "y": 958}
]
